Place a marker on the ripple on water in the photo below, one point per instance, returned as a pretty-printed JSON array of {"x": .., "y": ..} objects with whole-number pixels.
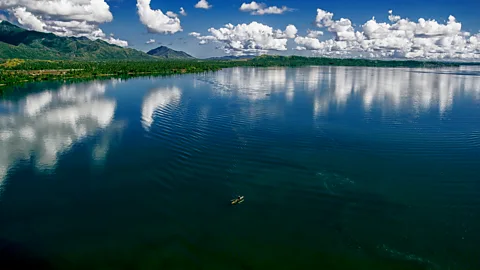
[
  {"x": 417, "y": 262},
  {"x": 331, "y": 161}
]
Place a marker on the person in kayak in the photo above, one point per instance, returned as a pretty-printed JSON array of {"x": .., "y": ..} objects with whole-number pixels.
[{"x": 237, "y": 200}]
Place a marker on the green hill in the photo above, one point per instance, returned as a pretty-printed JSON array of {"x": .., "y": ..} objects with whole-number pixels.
[
  {"x": 167, "y": 53},
  {"x": 16, "y": 42}
]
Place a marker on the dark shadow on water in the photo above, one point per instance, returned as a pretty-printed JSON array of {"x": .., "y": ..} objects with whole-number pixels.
[{"x": 14, "y": 256}]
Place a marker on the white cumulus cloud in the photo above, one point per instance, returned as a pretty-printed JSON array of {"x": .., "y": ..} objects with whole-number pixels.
[
  {"x": 203, "y": 4},
  {"x": 63, "y": 17},
  {"x": 150, "y": 41},
  {"x": 400, "y": 37},
  {"x": 261, "y": 9},
  {"x": 171, "y": 14},
  {"x": 314, "y": 33},
  {"x": 309, "y": 43},
  {"x": 324, "y": 18},
  {"x": 194, "y": 34},
  {"x": 156, "y": 21},
  {"x": 253, "y": 38},
  {"x": 393, "y": 18},
  {"x": 183, "y": 12},
  {"x": 291, "y": 31},
  {"x": 27, "y": 19}
]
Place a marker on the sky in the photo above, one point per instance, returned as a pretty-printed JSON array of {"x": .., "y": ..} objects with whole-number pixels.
[{"x": 433, "y": 29}]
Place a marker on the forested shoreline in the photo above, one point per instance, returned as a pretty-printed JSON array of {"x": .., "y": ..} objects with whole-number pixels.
[{"x": 16, "y": 71}]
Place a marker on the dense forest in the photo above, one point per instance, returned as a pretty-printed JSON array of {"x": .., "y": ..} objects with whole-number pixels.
[
  {"x": 293, "y": 61},
  {"x": 19, "y": 71},
  {"x": 15, "y": 71}
]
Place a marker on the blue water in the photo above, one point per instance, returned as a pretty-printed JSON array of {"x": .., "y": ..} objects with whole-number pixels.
[{"x": 341, "y": 168}]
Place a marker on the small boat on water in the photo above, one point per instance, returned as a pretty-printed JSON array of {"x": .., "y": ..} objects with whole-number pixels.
[{"x": 237, "y": 200}]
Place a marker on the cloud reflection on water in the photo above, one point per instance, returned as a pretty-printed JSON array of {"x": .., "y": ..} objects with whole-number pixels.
[
  {"x": 392, "y": 88},
  {"x": 46, "y": 124},
  {"x": 111, "y": 136},
  {"x": 158, "y": 98},
  {"x": 333, "y": 87},
  {"x": 252, "y": 83}
]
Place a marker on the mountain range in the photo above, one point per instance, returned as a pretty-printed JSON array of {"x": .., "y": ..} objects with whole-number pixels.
[{"x": 16, "y": 42}]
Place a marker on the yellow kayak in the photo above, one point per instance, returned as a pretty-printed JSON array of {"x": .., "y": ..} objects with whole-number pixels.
[{"x": 237, "y": 200}]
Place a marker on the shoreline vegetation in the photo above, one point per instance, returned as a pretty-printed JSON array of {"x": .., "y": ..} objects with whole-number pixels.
[{"x": 19, "y": 71}]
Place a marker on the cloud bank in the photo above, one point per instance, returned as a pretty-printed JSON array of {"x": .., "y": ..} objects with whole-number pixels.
[
  {"x": 156, "y": 21},
  {"x": 400, "y": 37},
  {"x": 261, "y": 9},
  {"x": 253, "y": 38},
  {"x": 203, "y": 4},
  {"x": 63, "y": 17}
]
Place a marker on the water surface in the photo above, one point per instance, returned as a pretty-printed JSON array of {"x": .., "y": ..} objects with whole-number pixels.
[{"x": 341, "y": 168}]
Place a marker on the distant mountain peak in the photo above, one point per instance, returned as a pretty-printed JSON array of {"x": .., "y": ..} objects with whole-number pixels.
[
  {"x": 83, "y": 38},
  {"x": 231, "y": 57},
  {"x": 7, "y": 24},
  {"x": 167, "y": 53}
]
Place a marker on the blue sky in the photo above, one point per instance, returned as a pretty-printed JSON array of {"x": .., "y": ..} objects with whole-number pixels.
[{"x": 126, "y": 24}]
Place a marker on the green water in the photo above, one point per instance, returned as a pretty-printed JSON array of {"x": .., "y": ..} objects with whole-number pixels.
[{"x": 341, "y": 168}]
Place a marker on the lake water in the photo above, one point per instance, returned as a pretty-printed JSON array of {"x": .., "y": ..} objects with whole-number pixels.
[{"x": 341, "y": 168}]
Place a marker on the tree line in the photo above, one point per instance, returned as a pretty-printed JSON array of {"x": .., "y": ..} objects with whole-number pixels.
[{"x": 14, "y": 72}]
